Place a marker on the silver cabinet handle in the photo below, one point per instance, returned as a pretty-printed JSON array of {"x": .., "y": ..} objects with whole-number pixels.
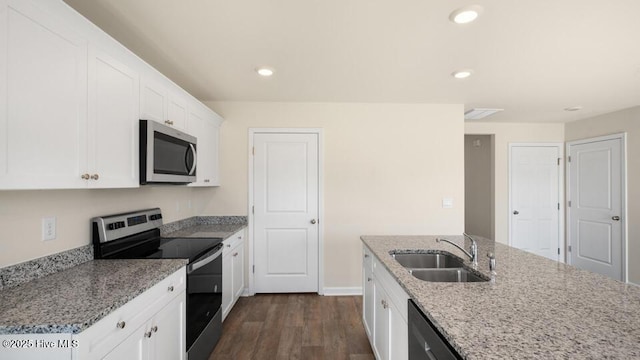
[
  {"x": 85, "y": 176},
  {"x": 385, "y": 305},
  {"x": 516, "y": 212},
  {"x": 170, "y": 288},
  {"x": 313, "y": 221},
  {"x": 168, "y": 122},
  {"x": 95, "y": 177},
  {"x": 616, "y": 218},
  {"x": 121, "y": 324}
]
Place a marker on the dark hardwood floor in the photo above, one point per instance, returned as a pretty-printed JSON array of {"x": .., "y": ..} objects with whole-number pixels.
[{"x": 294, "y": 326}]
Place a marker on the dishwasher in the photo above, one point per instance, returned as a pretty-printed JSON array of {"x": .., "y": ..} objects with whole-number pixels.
[{"x": 425, "y": 342}]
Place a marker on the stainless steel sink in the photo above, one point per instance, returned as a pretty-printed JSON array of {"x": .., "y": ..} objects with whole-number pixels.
[
  {"x": 446, "y": 275},
  {"x": 427, "y": 261}
]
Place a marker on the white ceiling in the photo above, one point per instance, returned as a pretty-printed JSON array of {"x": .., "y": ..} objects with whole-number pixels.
[{"x": 533, "y": 58}]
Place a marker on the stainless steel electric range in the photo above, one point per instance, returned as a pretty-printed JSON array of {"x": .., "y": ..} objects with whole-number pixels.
[{"x": 135, "y": 235}]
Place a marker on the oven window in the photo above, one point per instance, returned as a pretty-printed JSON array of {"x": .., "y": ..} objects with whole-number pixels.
[
  {"x": 204, "y": 297},
  {"x": 171, "y": 155}
]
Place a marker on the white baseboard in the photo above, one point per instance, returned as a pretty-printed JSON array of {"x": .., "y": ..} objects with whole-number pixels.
[
  {"x": 342, "y": 291},
  {"x": 246, "y": 292}
]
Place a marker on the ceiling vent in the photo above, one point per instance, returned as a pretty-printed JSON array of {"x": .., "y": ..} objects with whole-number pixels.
[{"x": 479, "y": 113}]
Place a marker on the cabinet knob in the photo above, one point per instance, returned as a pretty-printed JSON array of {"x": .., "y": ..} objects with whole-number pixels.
[
  {"x": 369, "y": 279},
  {"x": 85, "y": 176},
  {"x": 168, "y": 122},
  {"x": 148, "y": 334},
  {"x": 207, "y": 180},
  {"x": 155, "y": 328},
  {"x": 615, "y": 218},
  {"x": 516, "y": 212},
  {"x": 236, "y": 254},
  {"x": 121, "y": 324},
  {"x": 313, "y": 221},
  {"x": 366, "y": 255},
  {"x": 95, "y": 177},
  {"x": 228, "y": 245},
  {"x": 170, "y": 288},
  {"x": 385, "y": 305}
]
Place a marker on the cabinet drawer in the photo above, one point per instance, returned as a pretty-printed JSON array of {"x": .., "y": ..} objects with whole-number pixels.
[
  {"x": 106, "y": 334},
  {"x": 232, "y": 241}
]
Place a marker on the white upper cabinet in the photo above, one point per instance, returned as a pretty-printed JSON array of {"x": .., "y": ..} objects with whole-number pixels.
[
  {"x": 153, "y": 101},
  {"x": 207, "y": 130},
  {"x": 70, "y": 102},
  {"x": 113, "y": 119},
  {"x": 43, "y": 100}
]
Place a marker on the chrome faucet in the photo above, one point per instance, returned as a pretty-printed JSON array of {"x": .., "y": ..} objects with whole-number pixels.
[{"x": 472, "y": 254}]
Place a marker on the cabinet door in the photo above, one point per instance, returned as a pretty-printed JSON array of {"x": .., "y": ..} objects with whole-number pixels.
[
  {"x": 177, "y": 111},
  {"x": 398, "y": 334},
  {"x": 238, "y": 271},
  {"x": 227, "y": 283},
  {"x": 113, "y": 119},
  {"x": 168, "y": 331},
  {"x": 135, "y": 347},
  {"x": 43, "y": 100},
  {"x": 381, "y": 333},
  {"x": 207, "y": 133},
  {"x": 153, "y": 101},
  {"x": 368, "y": 287}
]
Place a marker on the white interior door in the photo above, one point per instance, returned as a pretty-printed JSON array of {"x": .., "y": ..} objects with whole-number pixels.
[
  {"x": 596, "y": 208},
  {"x": 285, "y": 193},
  {"x": 535, "y": 199}
]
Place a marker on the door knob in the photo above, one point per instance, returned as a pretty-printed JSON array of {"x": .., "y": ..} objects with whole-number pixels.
[
  {"x": 313, "y": 221},
  {"x": 616, "y": 218},
  {"x": 516, "y": 212}
]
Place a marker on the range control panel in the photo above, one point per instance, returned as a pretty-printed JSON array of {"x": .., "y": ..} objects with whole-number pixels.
[{"x": 111, "y": 227}]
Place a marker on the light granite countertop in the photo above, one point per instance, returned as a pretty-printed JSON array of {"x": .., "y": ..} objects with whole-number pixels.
[
  {"x": 535, "y": 308},
  {"x": 222, "y": 231},
  {"x": 70, "y": 301}
]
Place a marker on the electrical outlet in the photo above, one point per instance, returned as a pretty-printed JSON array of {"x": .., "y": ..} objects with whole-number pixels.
[
  {"x": 48, "y": 228},
  {"x": 447, "y": 203}
]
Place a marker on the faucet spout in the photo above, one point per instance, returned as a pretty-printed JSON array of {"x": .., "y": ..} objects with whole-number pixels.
[{"x": 472, "y": 254}]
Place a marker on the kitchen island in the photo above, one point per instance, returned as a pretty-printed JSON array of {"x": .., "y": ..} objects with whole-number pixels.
[{"x": 534, "y": 308}]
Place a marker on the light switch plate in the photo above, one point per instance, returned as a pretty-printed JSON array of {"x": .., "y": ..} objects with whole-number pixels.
[
  {"x": 48, "y": 228},
  {"x": 447, "y": 203}
]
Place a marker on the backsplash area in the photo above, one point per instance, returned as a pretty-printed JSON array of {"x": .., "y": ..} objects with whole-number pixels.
[
  {"x": 21, "y": 273},
  {"x": 15, "y": 275}
]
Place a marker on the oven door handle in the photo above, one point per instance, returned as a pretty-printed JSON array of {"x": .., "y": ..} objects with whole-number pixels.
[
  {"x": 217, "y": 251},
  {"x": 195, "y": 159}
]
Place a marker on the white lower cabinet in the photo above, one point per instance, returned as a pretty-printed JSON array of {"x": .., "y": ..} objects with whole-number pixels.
[
  {"x": 151, "y": 326},
  {"x": 384, "y": 311},
  {"x": 232, "y": 271}
]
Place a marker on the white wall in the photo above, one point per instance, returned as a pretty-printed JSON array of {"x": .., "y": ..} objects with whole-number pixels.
[
  {"x": 387, "y": 168},
  {"x": 621, "y": 121},
  {"x": 21, "y": 213},
  {"x": 506, "y": 133}
]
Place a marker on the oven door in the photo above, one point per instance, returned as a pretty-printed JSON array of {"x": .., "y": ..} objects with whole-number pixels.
[{"x": 204, "y": 302}]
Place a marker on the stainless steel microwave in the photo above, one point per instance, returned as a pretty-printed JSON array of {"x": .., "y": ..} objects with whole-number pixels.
[{"x": 167, "y": 155}]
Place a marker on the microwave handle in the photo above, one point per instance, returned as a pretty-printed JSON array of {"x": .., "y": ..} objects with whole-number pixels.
[{"x": 195, "y": 160}]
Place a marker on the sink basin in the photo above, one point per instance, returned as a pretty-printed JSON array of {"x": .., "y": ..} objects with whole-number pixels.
[
  {"x": 427, "y": 261},
  {"x": 446, "y": 275}
]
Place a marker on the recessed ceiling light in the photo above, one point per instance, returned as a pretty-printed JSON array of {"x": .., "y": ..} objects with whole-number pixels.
[
  {"x": 466, "y": 14},
  {"x": 573, "y": 108},
  {"x": 264, "y": 71},
  {"x": 462, "y": 74}
]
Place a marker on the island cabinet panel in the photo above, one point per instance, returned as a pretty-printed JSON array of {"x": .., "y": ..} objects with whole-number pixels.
[
  {"x": 384, "y": 310},
  {"x": 368, "y": 290}
]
